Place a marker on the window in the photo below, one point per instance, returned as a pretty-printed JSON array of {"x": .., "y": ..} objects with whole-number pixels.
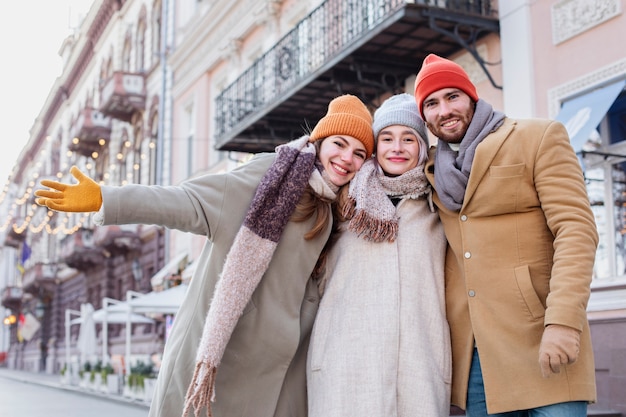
[
  {"x": 141, "y": 42},
  {"x": 136, "y": 159},
  {"x": 190, "y": 128},
  {"x": 156, "y": 28},
  {"x": 126, "y": 53},
  {"x": 605, "y": 173},
  {"x": 151, "y": 149}
]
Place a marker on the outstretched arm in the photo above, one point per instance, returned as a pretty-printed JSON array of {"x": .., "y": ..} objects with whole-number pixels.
[{"x": 83, "y": 197}]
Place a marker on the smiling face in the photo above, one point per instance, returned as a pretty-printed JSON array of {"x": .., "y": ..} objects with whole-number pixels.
[
  {"x": 448, "y": 113},
  {"x": 398, "y": 149},
  {"x": 342, "y": 156}
]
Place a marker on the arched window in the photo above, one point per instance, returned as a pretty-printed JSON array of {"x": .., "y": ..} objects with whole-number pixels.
[
  {"x": 56, "y": 146},
  {"x": 124, "y": 174},
  {"x": 140, "y": 42},
  {"x": 156, "y": 27},
  {"x": 136, "y": 157},
  {"x": 104, "y": 75},
  {"x": 126, "y": 52},
  {"x": 151, "y": 144}
]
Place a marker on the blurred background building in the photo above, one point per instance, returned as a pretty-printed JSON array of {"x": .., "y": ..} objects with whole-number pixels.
[{"x": 157, "y": 91}]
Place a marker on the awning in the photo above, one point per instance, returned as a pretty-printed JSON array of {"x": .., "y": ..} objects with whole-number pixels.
[
  {"x": 166, "y": 302},
  {"x": 115, "y": 317},
  {"x": 582, "y": 115},
  {"x": 170, "y": 267}
]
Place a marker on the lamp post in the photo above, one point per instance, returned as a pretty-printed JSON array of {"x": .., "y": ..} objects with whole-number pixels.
[
  {"x": 8, "y": 321},
  {"x": 41, "y": 312},
  {"x": 42, "y": 309},
  {"x": 68, "y": 335}
]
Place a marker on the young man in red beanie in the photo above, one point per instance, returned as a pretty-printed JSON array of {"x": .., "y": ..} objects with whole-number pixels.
[{"x": 522, "y": 242}]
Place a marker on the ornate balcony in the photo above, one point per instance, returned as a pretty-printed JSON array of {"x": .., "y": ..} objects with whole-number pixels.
[
  {"x": 363, "y": 47},
  {"x": 92, "y": 131},
  {"x": 123, "y": 94},
  {"x": 40, "y": 276},
  {"x": 117, "y": 240},
  {"x": 12, "y": 298},
  {"x": 79, "y": 251},
  {"x": 12, "y": 238}
]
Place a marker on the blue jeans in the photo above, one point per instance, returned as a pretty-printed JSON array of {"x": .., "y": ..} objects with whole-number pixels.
[{"x": 477, "y": 407}]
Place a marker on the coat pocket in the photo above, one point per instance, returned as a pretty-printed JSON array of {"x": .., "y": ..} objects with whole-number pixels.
[
  {"x": 529, "y": 295},
  {"x": 506, "y": 171}
]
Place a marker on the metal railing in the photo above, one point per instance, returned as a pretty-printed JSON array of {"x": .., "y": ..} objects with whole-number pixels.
[{"x": 323, "y": 35}]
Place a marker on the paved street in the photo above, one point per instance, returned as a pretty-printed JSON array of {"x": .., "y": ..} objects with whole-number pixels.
[{"x": 22, "y": 395}]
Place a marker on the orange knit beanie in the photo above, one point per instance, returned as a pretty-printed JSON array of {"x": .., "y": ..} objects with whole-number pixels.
[
  {"x": 347, "y": 115},
  {"x": 437, "y": 73}
]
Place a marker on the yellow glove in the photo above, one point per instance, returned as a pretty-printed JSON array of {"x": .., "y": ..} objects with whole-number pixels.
[
  {"x": 83, "y": 197},
  {"x": 560, "y": 345}
]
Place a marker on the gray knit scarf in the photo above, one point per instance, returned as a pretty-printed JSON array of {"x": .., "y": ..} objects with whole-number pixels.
[
  {"x": 452, "y": 169},
  {"x": 273, "y": 204},
  {"x": 372, "y": 214}
]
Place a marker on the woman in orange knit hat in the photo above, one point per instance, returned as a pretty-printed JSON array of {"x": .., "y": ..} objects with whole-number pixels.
[{"x": 241, "y": 335}]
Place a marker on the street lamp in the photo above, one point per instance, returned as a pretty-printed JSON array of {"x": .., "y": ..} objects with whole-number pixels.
[
  {"x": 43, "y": 306},
  {"x": 10, "y": 320}
]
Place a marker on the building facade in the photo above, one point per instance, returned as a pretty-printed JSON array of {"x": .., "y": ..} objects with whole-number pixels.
[
  {"x": 157, "y": 91},
  {"x": 102, "y": 115},
  {"x": 554, "y": 66}
]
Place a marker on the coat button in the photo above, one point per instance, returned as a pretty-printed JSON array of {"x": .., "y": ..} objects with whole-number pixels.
[
  {"x": 467, "y": 255},
  {"x": 471, "y": 293},
  {"x": 463, "y": 217}
]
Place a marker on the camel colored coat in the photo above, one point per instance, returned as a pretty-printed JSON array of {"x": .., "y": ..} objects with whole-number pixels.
[
  {"x": 520, "y": 256},
  {"x": 381, "y": 344},
  {"x": 262, "y": 373}
]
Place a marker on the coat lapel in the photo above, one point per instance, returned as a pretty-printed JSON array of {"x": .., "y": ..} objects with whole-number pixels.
[{"x": 485, "y": 152}]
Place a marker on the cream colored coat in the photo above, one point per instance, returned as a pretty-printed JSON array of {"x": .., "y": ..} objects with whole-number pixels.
[
  {"x": 521, "y": 255},
  {"x": 262, "y": 373},
  {"x": 380, "y": 344}
]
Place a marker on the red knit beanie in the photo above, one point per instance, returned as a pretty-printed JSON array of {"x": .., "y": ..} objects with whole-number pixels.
[{"x": 437, "y": 73}]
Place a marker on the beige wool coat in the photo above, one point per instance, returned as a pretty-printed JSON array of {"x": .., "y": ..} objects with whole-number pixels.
[
  {"x": 520, "y": 256},
  {"x": 381, "y": 344},
  {"x": 262, "y": 373}
]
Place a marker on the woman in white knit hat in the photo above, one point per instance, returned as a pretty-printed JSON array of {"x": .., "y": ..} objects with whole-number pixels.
[
  {"x": 380, "y": 344},
  {"x": 241, "y": 335}
]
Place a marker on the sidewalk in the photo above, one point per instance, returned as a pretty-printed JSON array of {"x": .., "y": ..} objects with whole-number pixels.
[{"x": 54, "y": 381}]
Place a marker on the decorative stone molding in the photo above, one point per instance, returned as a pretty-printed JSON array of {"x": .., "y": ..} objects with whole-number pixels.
[
  {"x": 597, "y": 78},
  {"x": 232, "y": 51},
  {"x": 571, "y": 17}
]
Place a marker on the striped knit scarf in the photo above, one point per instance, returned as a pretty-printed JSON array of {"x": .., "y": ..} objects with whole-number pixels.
[
  {"x": 372, "y": 214},
  {"x": 273, "y": 203}
]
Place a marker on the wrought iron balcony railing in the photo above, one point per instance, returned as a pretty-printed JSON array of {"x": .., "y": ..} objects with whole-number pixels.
[
  {"x": 322, "y": 37},
  {"x": 92, "y": 131},
  {"x": 117, "y": 240},
  {"x": 13, "y": 238},
  {"x": 123, "y": 94},
  {"x": 12, "y": 297},
  {"x": 79, "y": 250},
  {"x": 39, "y": 275}
]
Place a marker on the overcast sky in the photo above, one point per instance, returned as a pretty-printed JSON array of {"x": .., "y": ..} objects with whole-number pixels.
[{"x": 31, "y": 34}]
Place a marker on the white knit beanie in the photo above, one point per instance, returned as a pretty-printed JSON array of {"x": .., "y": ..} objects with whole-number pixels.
[{"x": 400, "y": 109}]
